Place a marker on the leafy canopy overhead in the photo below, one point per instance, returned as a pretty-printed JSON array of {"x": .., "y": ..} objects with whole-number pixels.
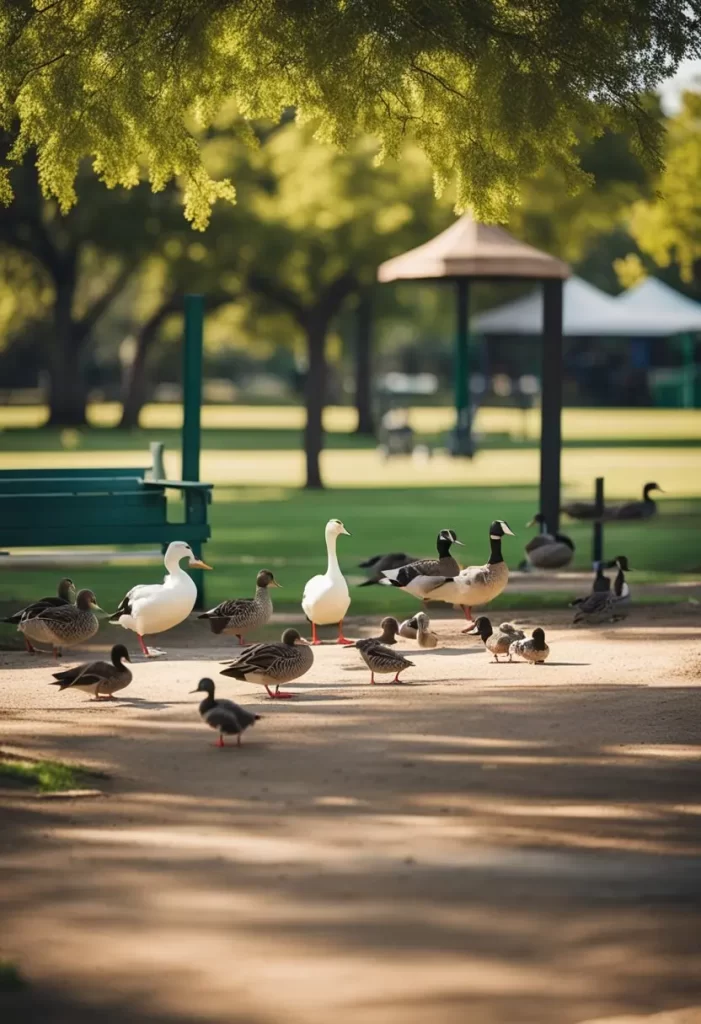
[{"x": 489, "y": 89}]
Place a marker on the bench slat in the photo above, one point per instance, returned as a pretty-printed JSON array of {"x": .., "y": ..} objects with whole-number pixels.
[
  {"x": 163, "y": 533},
  {"x": 69, "y": 485}
]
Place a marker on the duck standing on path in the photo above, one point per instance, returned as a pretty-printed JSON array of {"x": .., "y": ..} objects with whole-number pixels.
[
  {"x": 425, "y": 636},
  {"x": 534, "y": 650},
  {"x": 224, "y": 715},
  {"x": 65, "y": 625},
  {"x": 547, "y": 550},
  {"x": 154, "y": 608},
  {"x": 326, "y": 598},
  {"x": 445, "y": 565},
  {"x": 100, "y": 678},
  {"x": 65, "y": 595},
  {"x": 596, "y": 607},
  {"x": 500, "y": 640},
  {"x": 242, "y": 614},
  {"x": 273, "y": 664},
  {"x": 476, "y": 585},
  {"x": 600, "y": 585},
  {"x": 381, "y": 659}
]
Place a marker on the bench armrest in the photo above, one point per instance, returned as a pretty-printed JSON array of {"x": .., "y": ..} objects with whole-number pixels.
[{"x": 179, "y": 485}]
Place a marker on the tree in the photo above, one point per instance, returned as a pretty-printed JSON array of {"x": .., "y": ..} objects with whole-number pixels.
[
  {"x": 309, "y": 233},
  {"x": 490, "y": 91},
  {"x": 668, "y": 228}
]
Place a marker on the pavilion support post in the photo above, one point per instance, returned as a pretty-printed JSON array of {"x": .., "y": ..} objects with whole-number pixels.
[
  {"x": 363, "y": 365},
  {"x": 551, "y": 403},
  {"x": 192, "y": 403},
  {"x": 460, "y": 442}
]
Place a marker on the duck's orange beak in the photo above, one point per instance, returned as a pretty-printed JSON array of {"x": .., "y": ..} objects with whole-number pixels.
[{"x": 198, "y": 564}]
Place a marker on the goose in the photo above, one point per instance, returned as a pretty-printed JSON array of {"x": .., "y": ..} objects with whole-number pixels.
[
  {"x": 425, "y": 636},
  {"x": 154, "y": 608},
  {"x": 379, "y": 659},
  {"x": 409, "y": 628},
  {"x": 378, "y": 564},
  {"x": 224, "y": 715},
  {"x": 644, "y": 509},
  {"x": 100, "y": 678},
  {"x": 445, "y": 565},
  {"x": 534, "y": 650},
  {"x": 475, "y": 585},
  {"x": 547, "y": 550},
  {"x": 326, "y": 598},
  {"x": 64, "y": 625},
  {"x": 273, "y": 664},
  {"x": 65, "y": 595},
  {"x": 500, "y": 640},
  {"x": 244, "y": 613},
  {"x": 620, "y": 590}
]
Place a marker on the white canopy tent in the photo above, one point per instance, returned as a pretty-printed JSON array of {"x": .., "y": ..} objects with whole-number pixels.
[
  {"x": 587, "y": 312},
  {"x": 655, "y": 298}
]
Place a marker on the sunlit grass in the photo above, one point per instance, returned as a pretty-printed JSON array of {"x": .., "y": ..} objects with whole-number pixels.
[
  {"x": 623, "y": 424},
  {"x": 44, "y": 776}
]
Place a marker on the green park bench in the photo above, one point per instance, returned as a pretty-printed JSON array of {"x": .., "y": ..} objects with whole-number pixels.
[
  {"x": 77, "y": 507},
  {"x": 74, "y": 507}
]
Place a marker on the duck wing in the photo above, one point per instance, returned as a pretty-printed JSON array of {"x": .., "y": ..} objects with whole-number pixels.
[
  {"x": 473, "y": 574},
  {"x": 263, "y": 659},
  {"x": 93, "y": 672},
  {"x": 34, "y": 608}
]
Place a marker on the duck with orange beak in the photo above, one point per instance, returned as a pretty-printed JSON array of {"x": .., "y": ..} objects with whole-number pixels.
[{"x": 155, "y": 608}]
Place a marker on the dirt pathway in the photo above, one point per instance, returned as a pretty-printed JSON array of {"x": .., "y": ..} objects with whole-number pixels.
[{"x": 492, "y": 844}]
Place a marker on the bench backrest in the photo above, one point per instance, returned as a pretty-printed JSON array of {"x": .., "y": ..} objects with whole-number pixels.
[{"x": 70, "y": 481}]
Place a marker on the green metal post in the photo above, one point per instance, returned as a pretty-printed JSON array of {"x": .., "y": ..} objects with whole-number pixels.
[
  {"x": 192, "y": 403},
  {"x": 192, "y": 386},
  {"x": 688, "y": 380},
  {"x": 461, "y": 441}
]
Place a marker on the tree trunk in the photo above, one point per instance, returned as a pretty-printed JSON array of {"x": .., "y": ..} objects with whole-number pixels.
[
  {"x": 67, "y": 396},
  {"x": 363, "y": 366},
  {"x": 136, "y": 387},
  {"x": 315, "y": 394}
]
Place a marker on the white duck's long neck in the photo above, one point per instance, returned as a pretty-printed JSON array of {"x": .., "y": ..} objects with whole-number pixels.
[
  {"x": 333, "y": 569},
  {"x": 172, "y": 564}
]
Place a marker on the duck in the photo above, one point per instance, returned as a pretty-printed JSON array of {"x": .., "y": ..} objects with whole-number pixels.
[
  {"x": 378, "y": 564},
  {"x": 226, "y": 716},
  {"x": 500, "y": 640},
  {"x": 445, "y": 565},
  {"x": 381, "y": 660},
  {"x": 64, "y": 625},
  {"x": 274, "y": 664},
  {"x": 534, "y": 650},
  {"x": 598, "y": 606},
  {"x": 424, "y": 634},
  {"x": 547, "y": 550},
  {"x": 326, "y": 598},
  {"x": 100, "y": 678},
  {"x": 390, "y": 628},
  {"x": 409, "y": 628},
  {"x": 65, "y": 595},
  {"x": 475, "y": 585},
  {"x": 242, "y": 614},
  {"x": 644, "y": 509},
  {"x": 600, "y": 585},
  {"x": 156, "y": 607}
]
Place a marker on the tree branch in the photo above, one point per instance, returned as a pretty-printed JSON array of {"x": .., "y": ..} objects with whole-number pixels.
[
  {"x": 277, "y": 293},
  {"x": 100, "y": 306}
]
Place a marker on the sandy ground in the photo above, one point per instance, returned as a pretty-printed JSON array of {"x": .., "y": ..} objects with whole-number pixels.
[{"x": 491, "y": 844}]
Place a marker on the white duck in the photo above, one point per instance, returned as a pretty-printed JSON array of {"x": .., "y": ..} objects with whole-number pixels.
[
  {"x": 326, "y": 598},
  {"x": 154, "y": 608}
]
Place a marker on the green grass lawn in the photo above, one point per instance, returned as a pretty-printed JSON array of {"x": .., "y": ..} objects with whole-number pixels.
[
  {"x": 284, "y": 530},
  {"x": 43, "y": 776}
]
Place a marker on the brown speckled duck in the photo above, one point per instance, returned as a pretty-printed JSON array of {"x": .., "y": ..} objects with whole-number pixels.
[
  {"x": 100, "y": 678},
  {"x": 381, "y": 660},
  {"x": 65, "y": 595},
  {"x": 65, "y": 625},
  {"x": 500, "y": 640},
  {"x": 534, "y": 650},
  {"x": 242, "y": 614},
  {"x": 274, "y": 664}
]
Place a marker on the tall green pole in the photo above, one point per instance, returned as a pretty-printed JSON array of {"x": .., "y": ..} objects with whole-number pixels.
[
  {"x": 462, "y": 436},
  {"x": 192, "y": 386}
]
